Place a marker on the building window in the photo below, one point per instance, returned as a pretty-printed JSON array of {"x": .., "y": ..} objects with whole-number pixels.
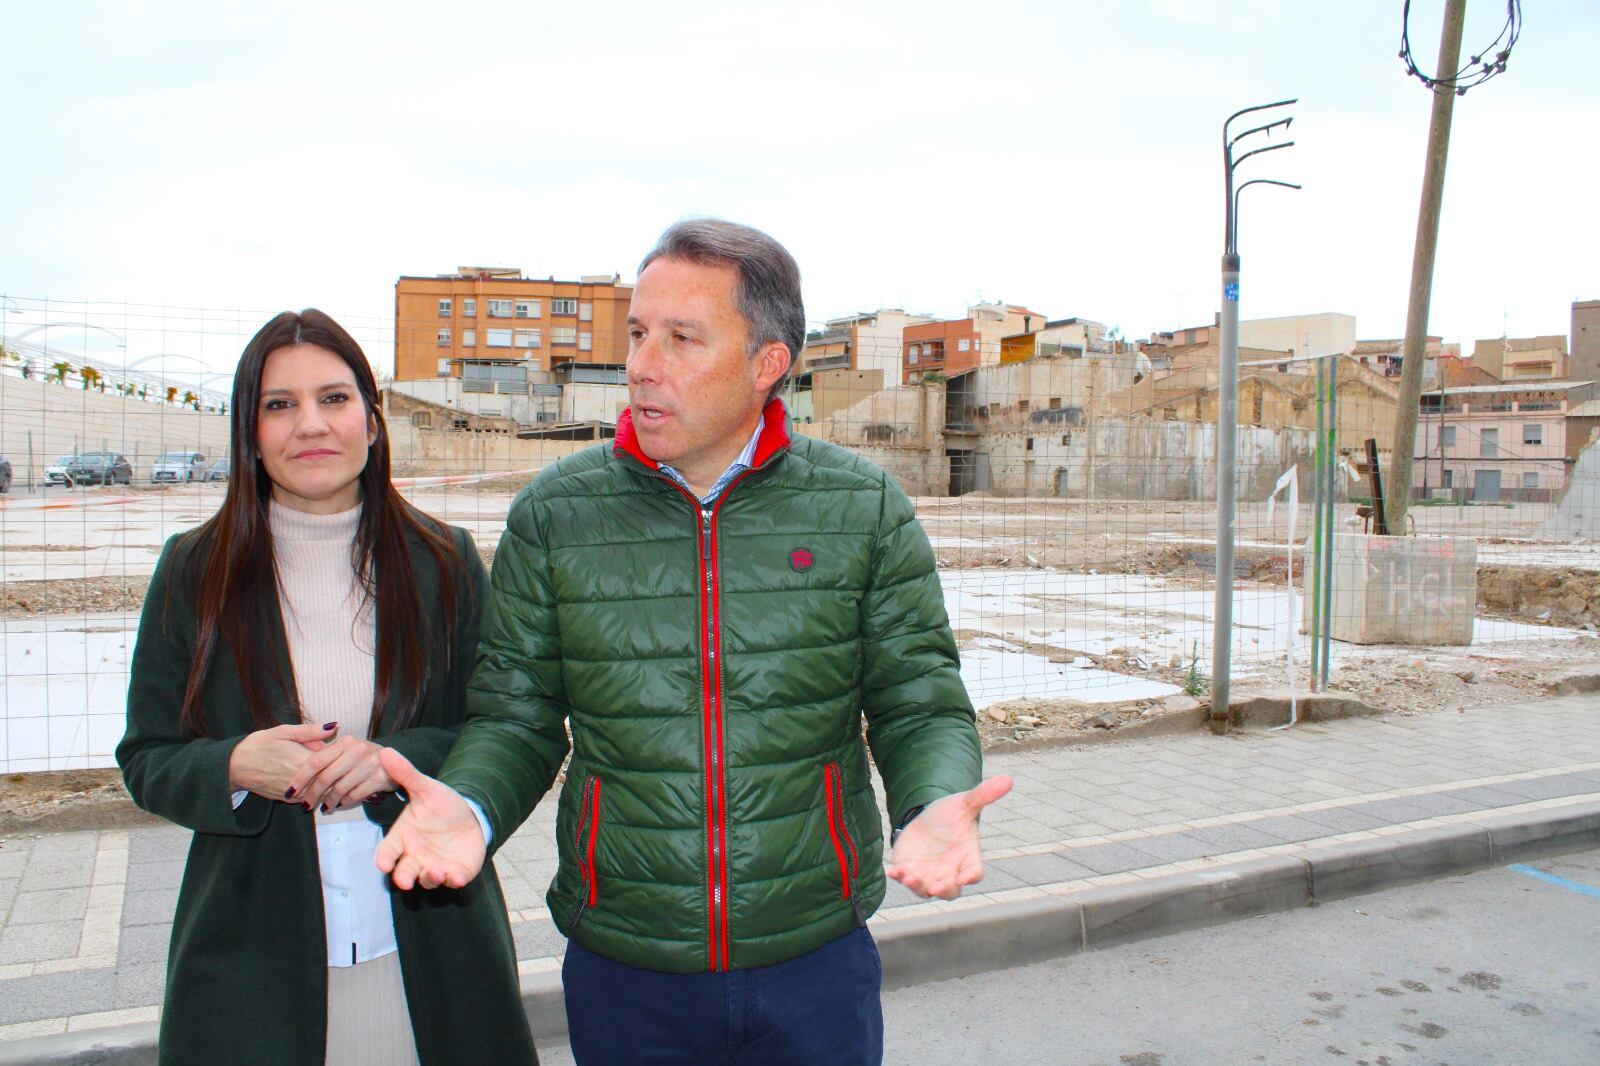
[
  {"x": 442, "y": 338},
  {"x": 1030, "y": 444},
  {"x": 1532, "y": 433},
  {"x": 469, "y": 307},
  {"x": 1489, "y": 444},
  {"x": 1449, "y": 478},
  {"x": 586, "y": 342},
  {"x": 444, "y": 368},
  {"x": 1055, "y": 403},
  {"x": 499, "y": 338},
  {"x": 526, "y": 338},
  {"x": 914, "y": 352},
  {"x": 964, "y": 344},
  {"x": 563, "y": 334},
  {"x": 422, "y": 419},
  {"x": 444, "y": 308},
  {"x": 469, "y": 338},
  {"x": 530, "y": 308},
  {"x": 1022, "y": 405},
  {"x": 499, "y": 308},
  {"x": 1530, "y": 480},
  {"x": 563, "y": 307},
  {"x": 1447, "y": 436},
  {"x": 586, "y": 312}
]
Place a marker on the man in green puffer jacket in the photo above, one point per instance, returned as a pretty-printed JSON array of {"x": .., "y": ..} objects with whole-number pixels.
[{"x": 711, "y": 606}]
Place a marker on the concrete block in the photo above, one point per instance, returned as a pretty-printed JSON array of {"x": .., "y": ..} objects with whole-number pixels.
[
  {"x": 1272, "y": 708},
  {"x": 935, "y": 947},
  {"x": 1534, "y": 834},
  {"x": 1383, "y": 862},
  {"x": 1402, "y": 590},
  {"x": 1155, "y": 907}
]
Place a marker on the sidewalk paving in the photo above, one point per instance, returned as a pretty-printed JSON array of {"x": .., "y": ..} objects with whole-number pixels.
[{"x": 85, "y": 917}]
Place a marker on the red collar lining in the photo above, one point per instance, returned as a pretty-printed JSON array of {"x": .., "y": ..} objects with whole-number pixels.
[{"x": 774, "y": 436}]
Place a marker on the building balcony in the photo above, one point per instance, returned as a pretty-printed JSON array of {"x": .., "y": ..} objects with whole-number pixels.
[{"x": 828, "y": 362}]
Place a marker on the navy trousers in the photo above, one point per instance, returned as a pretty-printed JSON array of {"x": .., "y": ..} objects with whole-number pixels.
[{"x": 822, "y": 1007}]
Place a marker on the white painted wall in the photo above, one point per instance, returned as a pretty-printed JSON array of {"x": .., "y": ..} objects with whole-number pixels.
[{"x": 1328, "y": 333}]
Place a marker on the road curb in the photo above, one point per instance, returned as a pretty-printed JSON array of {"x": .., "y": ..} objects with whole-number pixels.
[{"x": 971, "y": 940}]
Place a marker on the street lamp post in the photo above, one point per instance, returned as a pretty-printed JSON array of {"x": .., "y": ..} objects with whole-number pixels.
[{"x": 1228, "y": 403}]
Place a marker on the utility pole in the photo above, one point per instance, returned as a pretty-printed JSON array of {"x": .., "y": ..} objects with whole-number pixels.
[
  {"x": 1228, "y": 407},
  {"x": 1422, "y": 258}
]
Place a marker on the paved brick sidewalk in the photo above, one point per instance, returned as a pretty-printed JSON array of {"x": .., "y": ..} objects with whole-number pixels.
[{"x": 85, "y": 917}]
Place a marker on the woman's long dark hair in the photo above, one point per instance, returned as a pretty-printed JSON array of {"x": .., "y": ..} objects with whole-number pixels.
[{"x": 233, "y": 575}]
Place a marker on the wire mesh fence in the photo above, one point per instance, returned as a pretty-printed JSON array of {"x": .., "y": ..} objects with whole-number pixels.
[{"x": 1065, "y": 479}]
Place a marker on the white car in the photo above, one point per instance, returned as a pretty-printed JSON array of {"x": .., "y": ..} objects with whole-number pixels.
[
  {"x": 179, "y": 466},
  {"x": 56, "y": 473}
]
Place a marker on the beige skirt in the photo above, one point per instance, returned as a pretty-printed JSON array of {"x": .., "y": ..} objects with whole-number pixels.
[{"x": 368, "y": 1023}]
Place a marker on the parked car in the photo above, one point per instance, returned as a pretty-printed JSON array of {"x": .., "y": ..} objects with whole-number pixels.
[
  {"x": 56, "y": 473},
  {"x": 100, "y": 468},
  {"x": 219, "y": 469},
  {"x": 179, "y": 466},
  {"x": 5, "y": 474}
]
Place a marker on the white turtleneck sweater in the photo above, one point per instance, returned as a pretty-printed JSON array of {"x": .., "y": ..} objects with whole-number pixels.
[{"x": 332, "y": 646}]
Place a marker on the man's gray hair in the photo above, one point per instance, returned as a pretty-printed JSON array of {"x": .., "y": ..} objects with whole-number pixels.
[{"x": 768, "y": 293}]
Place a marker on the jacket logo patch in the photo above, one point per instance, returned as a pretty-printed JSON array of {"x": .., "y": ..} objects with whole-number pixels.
[{"x": 801, "y": 560}]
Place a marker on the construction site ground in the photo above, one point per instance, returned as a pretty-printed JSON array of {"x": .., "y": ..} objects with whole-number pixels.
[{"x": 1078, "y": 621}]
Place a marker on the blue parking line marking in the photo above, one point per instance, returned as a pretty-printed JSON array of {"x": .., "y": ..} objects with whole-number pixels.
[{"x": 1559, "y": 882}]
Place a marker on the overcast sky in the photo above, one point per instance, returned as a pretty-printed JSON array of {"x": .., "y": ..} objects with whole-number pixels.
[{"x": 1063, "y": 155}]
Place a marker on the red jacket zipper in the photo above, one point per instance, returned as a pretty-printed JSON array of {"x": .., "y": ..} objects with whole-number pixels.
[
  {"x": 711, "y": 715},
  {"x": 588, "y": 818},
  {"x": 843, "y": 846}
]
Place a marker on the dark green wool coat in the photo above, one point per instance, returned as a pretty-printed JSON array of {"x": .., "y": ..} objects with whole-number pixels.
[
  {"x": 714, "y": 666},
  {"x": 247, "y": 967}
]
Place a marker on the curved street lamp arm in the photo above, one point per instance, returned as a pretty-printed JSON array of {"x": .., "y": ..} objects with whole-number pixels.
[
  {"x": 1228, "y": 163},
  {"x": 1258, "y": 151},
  {"x": 1248, "y": 110},
  {"x": 1234, "y": 236},
  {"x": 1284, "y": 122}
]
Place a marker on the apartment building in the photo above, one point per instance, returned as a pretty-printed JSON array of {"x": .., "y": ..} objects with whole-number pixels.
[
  {"x": 954, "y": 346},
  {"x": 490, "y": 326},
  {"x": 1584, "y": 355},
  {"x": 867, "y": 342},
  {"x": 1522, "y": 358},
  {"x": 1498, "y": 442}
]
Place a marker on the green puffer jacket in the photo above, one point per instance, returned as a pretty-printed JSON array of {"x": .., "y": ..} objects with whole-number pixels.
[{"x": 714, "y": 666}]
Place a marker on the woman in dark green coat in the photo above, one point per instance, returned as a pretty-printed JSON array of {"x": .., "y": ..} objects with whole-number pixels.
[{"x": 314, "y": 620}]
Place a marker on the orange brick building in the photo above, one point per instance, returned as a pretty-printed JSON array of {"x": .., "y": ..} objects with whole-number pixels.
[{"x": 494, "y": 315}]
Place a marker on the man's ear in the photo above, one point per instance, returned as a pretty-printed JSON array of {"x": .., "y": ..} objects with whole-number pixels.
[{"x": 774, "y": 361}]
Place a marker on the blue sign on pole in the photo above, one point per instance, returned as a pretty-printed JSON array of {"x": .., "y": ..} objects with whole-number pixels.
[{"x": 1230, "y": 291}]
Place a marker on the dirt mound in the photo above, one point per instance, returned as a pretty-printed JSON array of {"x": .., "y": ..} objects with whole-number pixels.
[{"x": 1558, "y": 596}]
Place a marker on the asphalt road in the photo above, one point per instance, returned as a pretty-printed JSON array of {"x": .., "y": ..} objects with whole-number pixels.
[{"x": 1500, "y": 966}]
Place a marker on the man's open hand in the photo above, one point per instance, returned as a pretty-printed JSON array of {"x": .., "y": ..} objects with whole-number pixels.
[
  {"x": 437, "y": 840},
  {"x": 938, "y": 852}
]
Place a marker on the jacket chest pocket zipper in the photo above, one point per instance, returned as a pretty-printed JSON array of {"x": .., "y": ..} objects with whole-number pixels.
[
  {"x": 844, "y": 846},
  {"x": 584, "y": 838}
]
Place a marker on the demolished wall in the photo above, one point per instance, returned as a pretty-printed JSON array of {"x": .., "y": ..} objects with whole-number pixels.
[
  {"x": 900, "y": 429},
  {"x": 1577, "y": 511},
  {"x": 1138, "y": 459}
]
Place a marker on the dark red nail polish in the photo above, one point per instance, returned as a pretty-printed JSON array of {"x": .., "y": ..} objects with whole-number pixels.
[
  {"x": 305, "y": 806},
  {"x": 324, "y": 808},
  {"x": 330, "y": 725},
  {"x": 374, "y": 798},
  {"x": 288, "y": 793}
]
